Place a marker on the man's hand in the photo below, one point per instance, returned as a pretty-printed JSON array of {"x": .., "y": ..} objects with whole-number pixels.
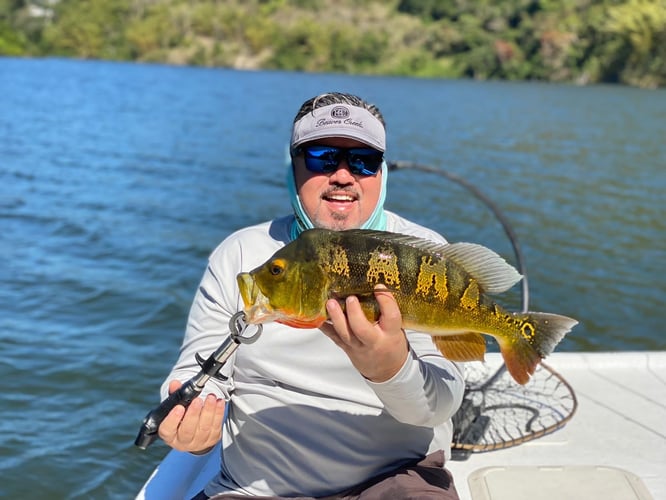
[
  {"x": 195, "y": 429},
  {"x": 377, "y": 350}
]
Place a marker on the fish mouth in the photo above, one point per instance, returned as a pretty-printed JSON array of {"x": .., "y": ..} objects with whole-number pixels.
[{"x": 257, "y": 307}]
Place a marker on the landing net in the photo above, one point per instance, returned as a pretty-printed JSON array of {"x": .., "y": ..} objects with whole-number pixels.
[{"x": 498, "y": 413}]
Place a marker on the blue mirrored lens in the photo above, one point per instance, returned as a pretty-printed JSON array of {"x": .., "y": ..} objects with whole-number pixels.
[{"x": 325, "y": 159}]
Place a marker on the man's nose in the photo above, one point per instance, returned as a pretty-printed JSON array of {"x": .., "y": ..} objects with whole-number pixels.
[{"x": 342, "y": 174}]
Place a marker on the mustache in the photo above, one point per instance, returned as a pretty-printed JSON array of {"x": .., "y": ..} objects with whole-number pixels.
[{"x": 339, "y": 188}]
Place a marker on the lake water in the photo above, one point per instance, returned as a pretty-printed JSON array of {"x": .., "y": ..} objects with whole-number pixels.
[{"x": 117, "y": 180}]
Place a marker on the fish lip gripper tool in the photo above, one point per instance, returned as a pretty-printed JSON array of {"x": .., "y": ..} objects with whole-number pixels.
[{"x": 241, "y": 332}]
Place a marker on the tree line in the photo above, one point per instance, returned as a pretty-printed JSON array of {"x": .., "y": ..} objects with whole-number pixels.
[{"x": 579, "y": 41}]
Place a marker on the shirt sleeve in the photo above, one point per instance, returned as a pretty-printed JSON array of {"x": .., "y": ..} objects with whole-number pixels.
[{"x": 427, "y": 390}]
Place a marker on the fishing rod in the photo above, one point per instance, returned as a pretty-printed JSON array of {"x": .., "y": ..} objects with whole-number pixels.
[
  {"x": 508, "y": 229},
  {"x": 210, "y": 367}
]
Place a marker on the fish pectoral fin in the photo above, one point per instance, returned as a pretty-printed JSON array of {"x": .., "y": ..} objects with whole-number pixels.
[{"x": 461, "y": 347}]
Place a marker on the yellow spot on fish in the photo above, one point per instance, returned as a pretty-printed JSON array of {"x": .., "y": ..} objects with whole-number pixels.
[
  {"x": 527, "y": 331},
  {"x": 383, "y": 262},
  {"x": 470, "y": 298},
  {"x": 333, "y": 259},
  {"x": 432, "y": 275}
]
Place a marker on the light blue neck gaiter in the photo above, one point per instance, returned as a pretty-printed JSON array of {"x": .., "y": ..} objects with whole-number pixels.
[{"x": 377, "y": 219}]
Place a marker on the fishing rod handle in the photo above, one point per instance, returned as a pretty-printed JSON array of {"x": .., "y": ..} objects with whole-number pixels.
[{"x": 151, "y": 423}]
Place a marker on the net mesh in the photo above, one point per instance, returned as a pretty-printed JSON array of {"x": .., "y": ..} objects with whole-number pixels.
[{"x": 496, "y": 412}]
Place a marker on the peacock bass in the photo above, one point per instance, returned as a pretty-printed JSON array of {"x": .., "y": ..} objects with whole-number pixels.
[{"x": 441, "y": 289}]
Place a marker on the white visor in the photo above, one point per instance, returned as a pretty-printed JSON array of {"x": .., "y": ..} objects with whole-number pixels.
[{"x": 340, "y": 120}]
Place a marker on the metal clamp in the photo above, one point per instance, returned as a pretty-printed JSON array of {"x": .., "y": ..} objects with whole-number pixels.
[{"x": 239, "y": 327}]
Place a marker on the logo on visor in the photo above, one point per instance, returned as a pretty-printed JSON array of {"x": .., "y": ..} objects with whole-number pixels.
[{"x": 339, "y": 112}]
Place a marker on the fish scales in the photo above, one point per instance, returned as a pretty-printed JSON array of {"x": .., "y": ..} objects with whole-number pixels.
[
  {"x": 440, "y": 289},
  {"x": 418, "y": 280}
]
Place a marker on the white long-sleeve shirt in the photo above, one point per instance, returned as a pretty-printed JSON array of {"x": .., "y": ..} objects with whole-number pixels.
[{"x": 301, "y": 419}]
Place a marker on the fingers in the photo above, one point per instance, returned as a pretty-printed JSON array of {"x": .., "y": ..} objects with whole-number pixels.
[
  {"x": 168, "y": 429},
  {"x": 350, "y": 326},
  {"x": 210, "y": 419},
  {"x": 390, "y": 317},
  {"x": 174, "y": 385},
  {"x": 377, "y": 349},
  {"x": 195, "y": 428},
  {"x": 187, "y": 427}
]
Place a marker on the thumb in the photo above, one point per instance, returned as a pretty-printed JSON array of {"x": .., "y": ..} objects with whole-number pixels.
[{"x": 174, "y": 385}]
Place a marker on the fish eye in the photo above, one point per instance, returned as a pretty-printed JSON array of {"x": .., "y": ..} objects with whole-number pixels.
[{"x": 277, "y": 267}]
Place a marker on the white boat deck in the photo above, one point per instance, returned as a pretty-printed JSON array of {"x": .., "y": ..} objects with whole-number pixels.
[{"x": 614, "y": 448}]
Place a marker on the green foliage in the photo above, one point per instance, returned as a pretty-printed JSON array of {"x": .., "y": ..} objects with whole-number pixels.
[
  {"x": 89, "y": 29},
  {"x": 430, "y": 9},
  {"x": 150, "y": 37},
  {"x": 12, "y": 43},
  {"x": 297, "y": 48},
  {"x": 637, "y": 31},
  {"x": 557, "y": 40}
]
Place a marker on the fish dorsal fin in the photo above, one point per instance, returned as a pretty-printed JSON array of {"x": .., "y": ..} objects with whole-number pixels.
[{"x": 492, "y": 272}]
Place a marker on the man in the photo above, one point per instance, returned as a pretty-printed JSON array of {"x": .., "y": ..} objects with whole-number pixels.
[{"x": 352, "y": 410}]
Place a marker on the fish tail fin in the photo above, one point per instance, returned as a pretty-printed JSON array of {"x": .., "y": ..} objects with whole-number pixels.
[{"x": 537, "y": 336}]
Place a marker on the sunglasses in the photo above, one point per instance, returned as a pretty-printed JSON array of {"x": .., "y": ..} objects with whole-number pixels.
[{"x": 325, "y": 159}]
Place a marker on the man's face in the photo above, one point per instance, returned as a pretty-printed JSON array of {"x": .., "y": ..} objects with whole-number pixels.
[{"x": 338, "y": 200}]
